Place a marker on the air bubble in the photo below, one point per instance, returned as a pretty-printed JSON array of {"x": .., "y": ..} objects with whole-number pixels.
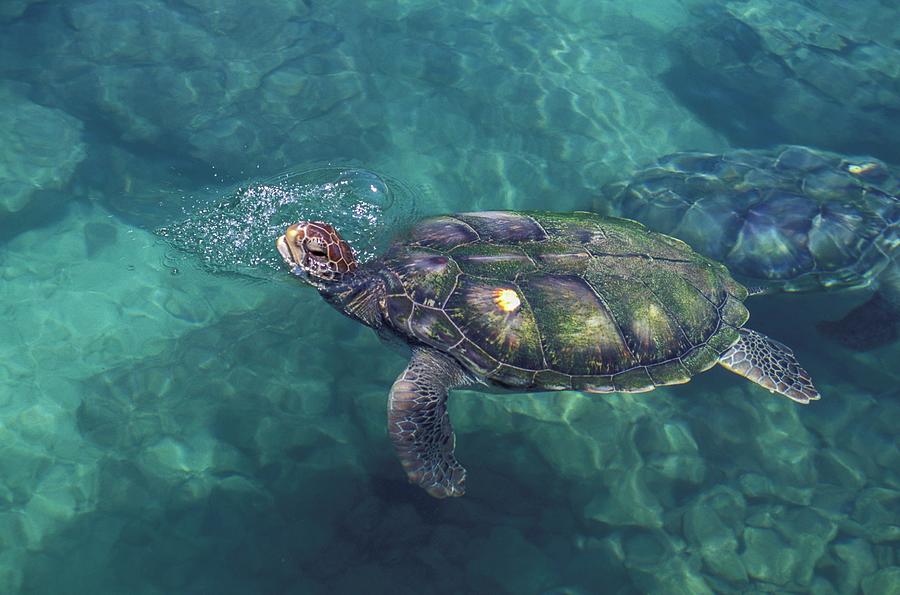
[{"x": 237, "y": 232}]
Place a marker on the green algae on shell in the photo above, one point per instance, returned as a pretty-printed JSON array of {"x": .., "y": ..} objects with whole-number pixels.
[{"x": 594, "y": 303}]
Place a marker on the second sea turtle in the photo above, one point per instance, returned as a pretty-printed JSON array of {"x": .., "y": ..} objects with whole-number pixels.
[{"x": 790, "y": 218}]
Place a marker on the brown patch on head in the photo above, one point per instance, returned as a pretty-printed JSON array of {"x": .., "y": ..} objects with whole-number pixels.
[{"x": 316, "y": 248}]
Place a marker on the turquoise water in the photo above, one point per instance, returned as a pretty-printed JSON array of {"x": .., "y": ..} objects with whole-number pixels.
[{"x": 177, "y": 415}]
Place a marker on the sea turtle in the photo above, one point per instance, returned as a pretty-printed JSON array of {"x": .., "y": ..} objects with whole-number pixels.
[
  {"x": 790, "y": 218},
  {"x": 535, "y": 301}
]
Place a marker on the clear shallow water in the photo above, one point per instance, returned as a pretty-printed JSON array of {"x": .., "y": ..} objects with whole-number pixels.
[{"x": 167, "y": 426}]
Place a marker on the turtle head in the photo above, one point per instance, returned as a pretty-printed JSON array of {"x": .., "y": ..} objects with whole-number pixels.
[{"x": 314, "y": 251}]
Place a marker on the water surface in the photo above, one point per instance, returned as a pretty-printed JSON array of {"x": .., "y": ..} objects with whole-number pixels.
[{"x": 178, "y": 418}]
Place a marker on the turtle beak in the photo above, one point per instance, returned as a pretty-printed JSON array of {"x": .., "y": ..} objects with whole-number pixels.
[
  {"x": 281, "y": 244},
  {"x": 287, "y": 247}
]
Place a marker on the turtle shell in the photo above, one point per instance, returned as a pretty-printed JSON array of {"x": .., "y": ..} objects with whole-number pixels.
[
  {"x": 792, "y": 217},
  {"x": 550, "y": 301}
]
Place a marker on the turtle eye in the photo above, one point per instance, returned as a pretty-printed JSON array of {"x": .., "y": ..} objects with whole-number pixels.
[{"x": 316, "y": 248}]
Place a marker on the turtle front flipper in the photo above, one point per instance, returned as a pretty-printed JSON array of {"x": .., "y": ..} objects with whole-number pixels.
[
  {"x": 769, "y": 364},
  {"x": 419, "y": 424}
]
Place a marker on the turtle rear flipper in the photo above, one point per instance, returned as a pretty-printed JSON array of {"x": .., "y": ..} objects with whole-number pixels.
[
  {"x": 769, "y": 364},
  {"x": 419, "y": 424},
  {"x": 873, "y": 324}
]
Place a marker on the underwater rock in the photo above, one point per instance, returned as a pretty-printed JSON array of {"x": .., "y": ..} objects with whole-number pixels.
[
  {"x": 655, "y": 566},
  {"x": 646, "y": 550},
  {"x": 854, "y": 561},
  {"x": 784, "y": 545},
  {"x": 670, "y": 454},
  {"x": 840, "y": 467},
  {"x": 170, "y": 458},
  {"x": 754, "y": 485},
  {"x": 598, "y": 561},
  {"x": 296, "y": 96},
  {"x": 809, "y": 533},
  {"x": 709, "y": 526},
  {"x": 883, "y": 582},
  {"x": 666, "y": 469},
  {"x": 875, "y": 510},
  {"x": 122, "y": 484},
  {"x": 625, "y": 500},
  {"x": 12, "y": 9},
  {"x": 763, "y": 71},
  {"x": 767, "y": 556},
  {"x": 21, "y": 467},
  {"x": 64, "y": 492},
  {"x": 821, "y": 586},
  {"x": 305, "y": 397},
  {"x": 781, "y": 430},
  {"x": 509, "y": 562},
  {"x": 12, "y": 562},
  {"x": 570, "y": 453},
  {"x": 871, "y": 439},
  {"x": 41, "y": 148}
]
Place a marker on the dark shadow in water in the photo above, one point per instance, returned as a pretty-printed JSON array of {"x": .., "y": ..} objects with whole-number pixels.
[
  {"x": 742, "y": 115},
  {"x": 735, "y": 102},
  {"x": 46, "y": 208},
  {"x": 726, "y": 75}
]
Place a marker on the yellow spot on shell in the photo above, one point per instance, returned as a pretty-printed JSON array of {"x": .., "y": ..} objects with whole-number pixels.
[
  {"x": 507, "y": 299},
  {"x": 861, "y": 168}
]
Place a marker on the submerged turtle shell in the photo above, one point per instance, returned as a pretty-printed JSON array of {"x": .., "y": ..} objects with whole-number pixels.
[
  {"x": 551, "y": 301},
  {"x": 792, "y": 217}
]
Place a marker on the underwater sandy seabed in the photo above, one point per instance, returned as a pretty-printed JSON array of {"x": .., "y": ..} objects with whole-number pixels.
[{"x": 167, "y": 426}]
